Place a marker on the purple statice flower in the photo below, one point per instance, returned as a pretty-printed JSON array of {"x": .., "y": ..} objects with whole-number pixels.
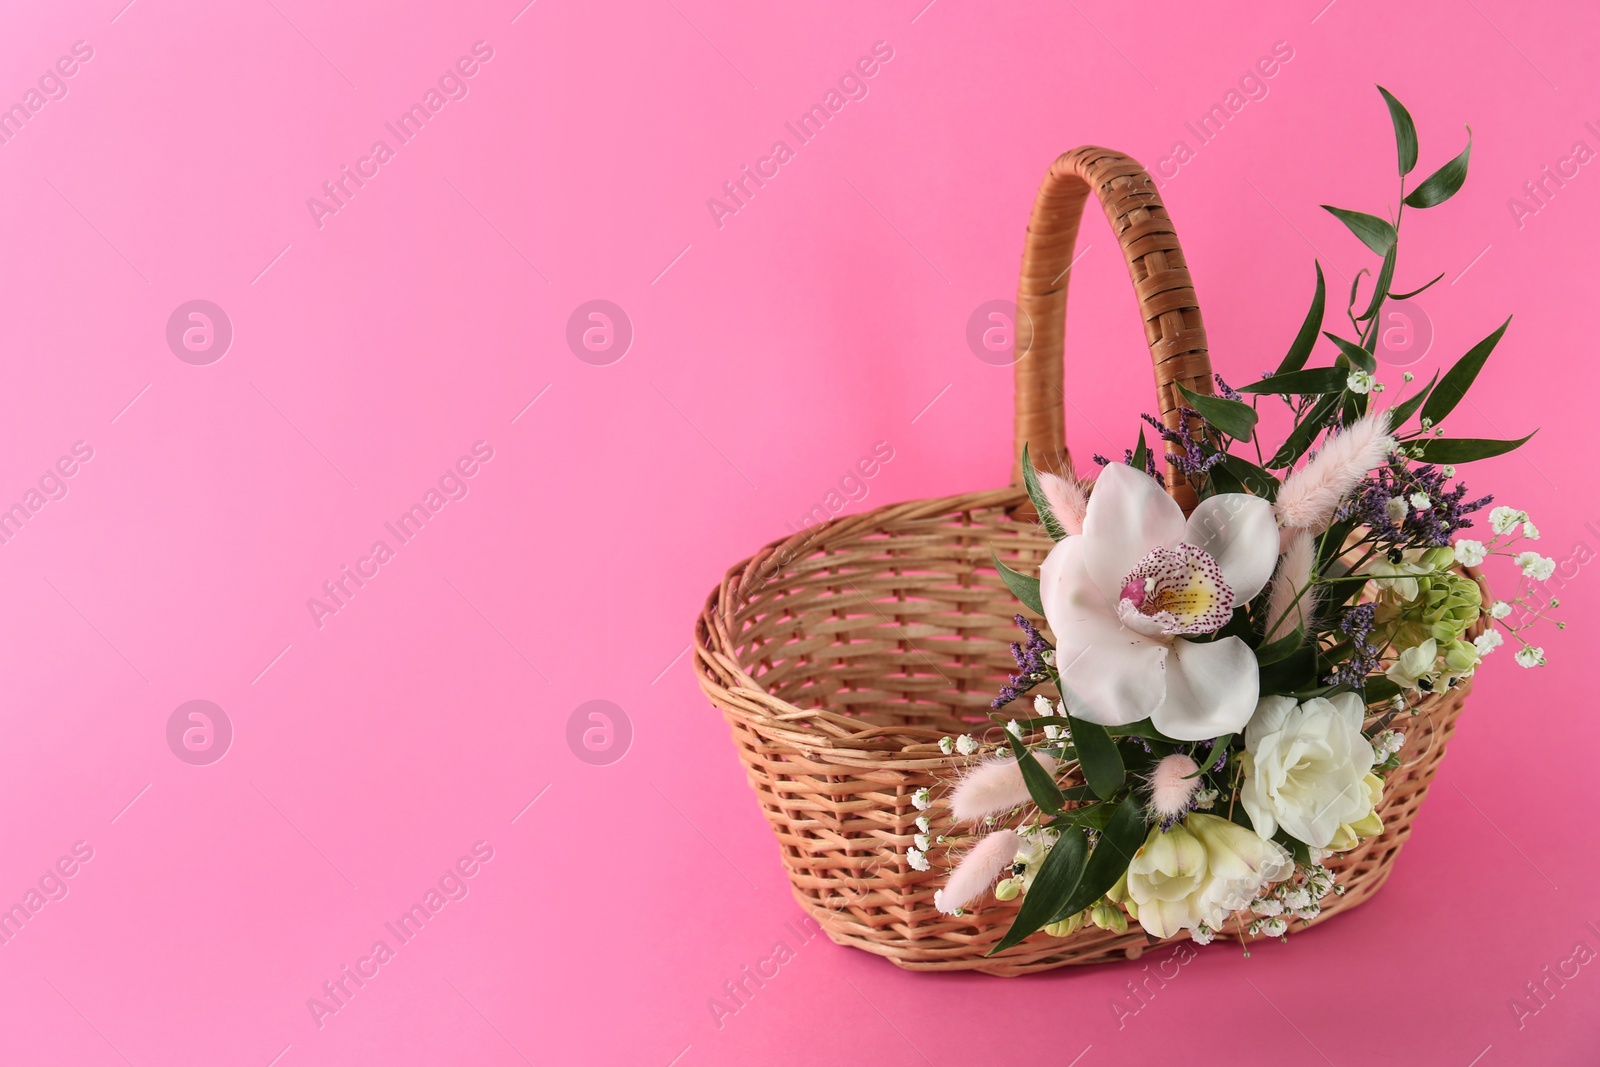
[
  {"x": 1192, "y": 459},
  {"x": 1357, "y": 624},
  {"x": 1127, "y": 458},
  {"x": 1448, "y": 510},
  {"x": 1031, "y": 667},
  {"x": 1228, "y": 392}
]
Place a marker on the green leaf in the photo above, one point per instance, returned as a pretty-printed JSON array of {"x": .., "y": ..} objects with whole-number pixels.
[
  {"x": 1459, "y": 378},
  {"x": 1141, "y": 452},
  {"x": 1405, "y": 132},
  {"x": 1210, "y": 759},
  {"x": 1098, "y": 757},
  {"x": 1025, "y": 589},
  {"x": 1379, "y": 688},
  {"x": 1300, "y": 438},
  {"x": 1294, "y": 672},
  {"x": 1232, "y": 417},
  {"x": 1122, "y": 837},
  {"x": 1257, "y": 480},
  {"x": 1315, "y": 380},
  {"x": 1443, "y": 183},
  {"x": 1041, "y": 787},
  {"x": 1374, "y": 232},
  {"x": 1417, "y": 292},
  {"x": 1059, "y": 875},
  {"x": 1406, "y": 408},
  {"x": 1142, "y": 728},
  {"x": 1464, "y": 449},
  {"x": 1300, "y": 350},
  {"x": 1041, "y": 503},
  {"x": 1380, "y": 289},
  {"x": 1281, "y": 649},
  {"x": 1354, "y": 353}
]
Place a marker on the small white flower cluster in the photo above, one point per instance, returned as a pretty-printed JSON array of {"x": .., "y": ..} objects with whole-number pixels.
[
  {"x": 1292, "y": 900},
  {"x": 966, "y": 744},
  {"x": 1202, "y": 934},
  {"x": 1509, "y": 525},
  {"x": 1361, "y": 381},
  {"x": 1388, "y": 743},
  {"x": 1204, "y": 799}
]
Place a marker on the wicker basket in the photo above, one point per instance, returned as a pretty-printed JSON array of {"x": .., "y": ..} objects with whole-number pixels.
[{"x": 841, "y": 655}]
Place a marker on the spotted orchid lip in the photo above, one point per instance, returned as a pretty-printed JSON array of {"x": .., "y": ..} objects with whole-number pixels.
[{"x": 1177, "y": 590}]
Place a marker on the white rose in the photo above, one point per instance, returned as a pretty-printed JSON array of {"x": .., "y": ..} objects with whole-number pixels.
[
  {"x": 1194, "y": 874},
  {"x": 1304, "y": 765},
  {"x": 1469, "y": 552}
]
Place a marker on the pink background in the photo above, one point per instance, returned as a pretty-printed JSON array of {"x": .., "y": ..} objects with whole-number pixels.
[{"x": 769, "y": 354}]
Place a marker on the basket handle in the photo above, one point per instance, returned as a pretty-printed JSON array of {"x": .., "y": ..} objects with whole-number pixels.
[{"x": 1167, "y": 303}]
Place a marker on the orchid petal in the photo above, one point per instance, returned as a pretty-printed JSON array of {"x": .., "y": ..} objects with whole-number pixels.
[
  {"x": 1129, "y": 516},
  {"x": 1112, "y": 674},
  {"x": 1240, "y": 532},
  {"x": 1211, "y": 689}
]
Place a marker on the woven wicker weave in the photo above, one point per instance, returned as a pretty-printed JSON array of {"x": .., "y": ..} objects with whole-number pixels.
[{"x": 841, "y": 655}]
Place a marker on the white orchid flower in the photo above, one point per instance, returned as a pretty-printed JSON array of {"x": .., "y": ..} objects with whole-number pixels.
[{"x": 1125, "y": 597}]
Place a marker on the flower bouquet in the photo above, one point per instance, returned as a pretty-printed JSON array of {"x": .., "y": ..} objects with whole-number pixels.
[{"x": 1228, "y": 690}]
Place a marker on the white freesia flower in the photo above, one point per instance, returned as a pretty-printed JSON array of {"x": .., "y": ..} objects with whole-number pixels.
[
  {"x": 1470, "y": 552},
  {"x": 1413, "y": 665},
  {"x": 1535, "y": 566},
  {"x": 1194, "y": 874},
  {"x": 1488, "y": 641},
  {"x": 1122, "y": 595},
  {"x": 1530, "y": 657},
  {"x": 1503, "y": 520},
  {"x": 1303, "y": 766}
]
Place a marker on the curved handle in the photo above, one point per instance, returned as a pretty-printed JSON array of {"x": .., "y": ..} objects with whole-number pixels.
[{"x": 1172, "y": 326}]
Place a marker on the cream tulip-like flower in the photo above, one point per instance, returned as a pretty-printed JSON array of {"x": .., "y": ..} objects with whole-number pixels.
[
  {"x": 1124, "y": 597},
  {"x": 1194, "y": 874},
  {"x": 1413, "y": 665},
  {"x": 1304, "y": 766},
  {"x": 1351, "y": 834}
]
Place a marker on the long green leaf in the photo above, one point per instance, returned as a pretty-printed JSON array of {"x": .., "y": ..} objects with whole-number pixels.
[
  {"x": 1257, "y": 480},
  {"x": 1406, "y": 408},
  {"x": 1300, "y": 438},
  {"x": 1300, "y": 350},
  {"x": 1236, "y": 419},
  {"x": 1380, "y": 289},
  {"x": 1098, "y": 756},
  {"x": 1443, "y": 183},
  {"x": 1465, "y": 449},
  {"x": 1315, "y": 380},
  {"x": 1281, "y": 649},
  {"x": 1025, "y": 588},
  {"x": 1459, "y": 378},
  {"x": 1418, "y": 292},
  {"x": 1041, "y": 787},
  {"x": 1374, "y": 232},
  {"x": 1119, "y": 842},
  {"x": 1405, "y": 132},
  {"x": 1041, "y": 503},
  {"x": 1058, "y": 877},
  {"x": 1354, "y": 353}
]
